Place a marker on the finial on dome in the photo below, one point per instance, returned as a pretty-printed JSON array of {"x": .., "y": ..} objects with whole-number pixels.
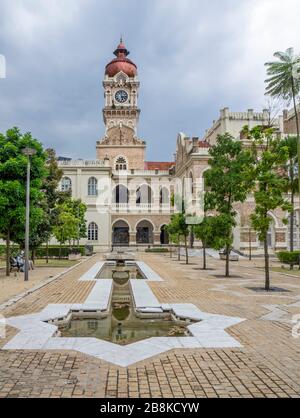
[{"x": 121, "y": 49}]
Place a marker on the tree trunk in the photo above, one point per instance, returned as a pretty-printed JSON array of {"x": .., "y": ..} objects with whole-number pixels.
[
  {"x": 32, "y": 255},
  {"x": 292, "y": 227},
  {"x": 250, "y": 245},
  {"x": 60, "y": 245},
  {"x": 192, "y": 237},
  {"x": 47, "y": 252},
  {"x": 297, "y": 126},
  {"x": 170, "y": 251},
  {"x": 267, "y": 266},
  {"x": 8, "y": 253},
  {"x": 204, "y": 256},
  {"x": 186, "y": 250},
  {"x": 179, "y": 257},
  {"x": 227, "y": 274}
]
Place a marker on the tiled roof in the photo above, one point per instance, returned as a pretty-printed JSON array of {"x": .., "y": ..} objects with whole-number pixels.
[
  {"x": 158, "y": 165},
  {"x": 204, "y": 144}
]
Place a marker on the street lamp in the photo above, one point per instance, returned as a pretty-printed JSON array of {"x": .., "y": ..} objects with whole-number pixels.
[{"x": 29, "y": 152}]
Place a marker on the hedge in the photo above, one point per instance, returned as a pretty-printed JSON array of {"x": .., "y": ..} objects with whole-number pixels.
[
  {"x": 41, "y": 252},
  {"x": 54, "y": 251},
  {"x": 288, "y": 257},
  {"x": 157, "y": 250},
  {"x": 13, "y": 249}
]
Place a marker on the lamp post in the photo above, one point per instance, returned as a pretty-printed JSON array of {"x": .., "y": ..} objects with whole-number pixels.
[{"x": 28, "y": 152}]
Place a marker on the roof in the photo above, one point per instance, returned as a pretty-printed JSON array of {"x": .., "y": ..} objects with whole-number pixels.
[
  {"x": 121, "y": 63},
  {"x": 151, "y": 165},
  {"x": 204, "y": 144}
]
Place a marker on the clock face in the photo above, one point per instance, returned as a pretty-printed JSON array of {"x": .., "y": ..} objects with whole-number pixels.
[{"x": 121, "y": 96}]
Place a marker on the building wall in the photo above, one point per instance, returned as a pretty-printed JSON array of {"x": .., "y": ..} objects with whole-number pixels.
[
  {"x": 233, "y": 123},
  {"x": 97, "y": 206},
  {"x": 134, "y": 155},
  {"x": 289, "y": 121},
  {"x": 133, "y": 221},
  {"x": 192, "y": 157}
]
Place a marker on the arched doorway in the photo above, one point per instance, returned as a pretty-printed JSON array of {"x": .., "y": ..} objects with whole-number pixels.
[
  {"x": 271, "y": 236},
  {"x": 144, "y": 232},
  {"x": 164, "y": 236},
  {"x": 120, "y": 233}
]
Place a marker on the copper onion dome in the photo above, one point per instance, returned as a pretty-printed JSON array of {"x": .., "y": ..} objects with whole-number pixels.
[{"x": 121, "y": 63}]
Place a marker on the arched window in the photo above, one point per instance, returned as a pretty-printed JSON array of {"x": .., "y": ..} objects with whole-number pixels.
[
  {"x": 164, "y": 196},
  {"x": 121, "y": 194},
  {"x": 93, "y": 232},
  {"x": 121, "y": 164},
  {"x": 191, "y": 183},
  {"x": 92, "y": 186},
  {"x": 144, "y": 194},
  {"x": 66, "y": 184}
]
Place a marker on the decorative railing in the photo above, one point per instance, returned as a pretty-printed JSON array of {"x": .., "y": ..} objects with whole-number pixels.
[
  {"x": 81, "y": 163},
  {"x": 142, "y": 207},
  {"x": 141, "y": 173}
]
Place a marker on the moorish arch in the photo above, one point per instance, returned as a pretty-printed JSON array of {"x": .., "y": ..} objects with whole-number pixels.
[
  {"x": 120, "y": 232},
  {"x": 296, "y": 229},
  {"x": 121, "y": 163},
  {"x": 164, "y": 235},
  {"x": 144, "y": 194},
  {"x": 145, "y": 232},
  {"x": 164, "y": 195},
  {"x": 120, "y": 194}
]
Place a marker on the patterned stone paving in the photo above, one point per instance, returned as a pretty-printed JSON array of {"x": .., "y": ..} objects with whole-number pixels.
[{"x": 266, "y": 366}]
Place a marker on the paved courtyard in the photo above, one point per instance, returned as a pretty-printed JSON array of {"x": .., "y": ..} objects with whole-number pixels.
[{"x": 267, "y": 365}]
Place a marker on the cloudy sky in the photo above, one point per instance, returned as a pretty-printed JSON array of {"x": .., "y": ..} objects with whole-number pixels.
[{"x": 194, "y": 57}]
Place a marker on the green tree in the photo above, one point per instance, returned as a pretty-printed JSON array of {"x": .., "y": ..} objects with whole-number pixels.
[
  {"x": 78, "y": 209},
  {"x": 179, "y": 228},
  {"x": 66, "y": 228},
  {"x": 214, "y": 232},
  {"x": 173, "y": 239},
  {"x": 13, "y": 167},
  {"x": 203, "y": 232},
  {"x": 284, "y": 83},
  {"x": 41, "y": 232},
  {"x": 290, "y": 143},
  {"x": 269, "y": 156},
  {"x": 229, "y": 181},
  {"x": 53, "y": 196}
]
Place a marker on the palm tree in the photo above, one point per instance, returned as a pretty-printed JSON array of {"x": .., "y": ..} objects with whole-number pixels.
[{"x": 284, "y": 83}]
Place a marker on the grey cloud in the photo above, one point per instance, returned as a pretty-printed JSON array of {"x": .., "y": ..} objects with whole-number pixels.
[{"x": 194, "y": 57}]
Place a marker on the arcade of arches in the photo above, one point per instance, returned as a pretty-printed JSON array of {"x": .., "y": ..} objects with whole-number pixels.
[{"x": 143, "y": 233}]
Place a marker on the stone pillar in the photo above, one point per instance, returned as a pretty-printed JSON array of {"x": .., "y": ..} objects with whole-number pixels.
[
  {"x": 132, "y": 238},
  {"x": 156, "y": 196},
  {"x": 80, "y": 194},
  {"x": 156, "y": 236},
  {"x": 132, "y": 200}
]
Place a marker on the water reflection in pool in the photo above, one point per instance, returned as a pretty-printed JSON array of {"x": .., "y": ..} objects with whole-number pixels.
[
  {"x": 122, "y": 326},
  {"x": 120, "y": 274}
]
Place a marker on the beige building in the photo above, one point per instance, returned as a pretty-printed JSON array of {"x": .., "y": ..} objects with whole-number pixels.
[
  {"x": 128, "y": 198},
  {"x": 289, "y": 121}
]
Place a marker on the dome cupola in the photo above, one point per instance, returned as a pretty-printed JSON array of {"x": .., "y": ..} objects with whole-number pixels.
[{"x": 121, "y": 63}]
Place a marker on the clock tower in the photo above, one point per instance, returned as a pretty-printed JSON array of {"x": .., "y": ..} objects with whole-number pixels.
[{"x": 121, "y": 114}]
